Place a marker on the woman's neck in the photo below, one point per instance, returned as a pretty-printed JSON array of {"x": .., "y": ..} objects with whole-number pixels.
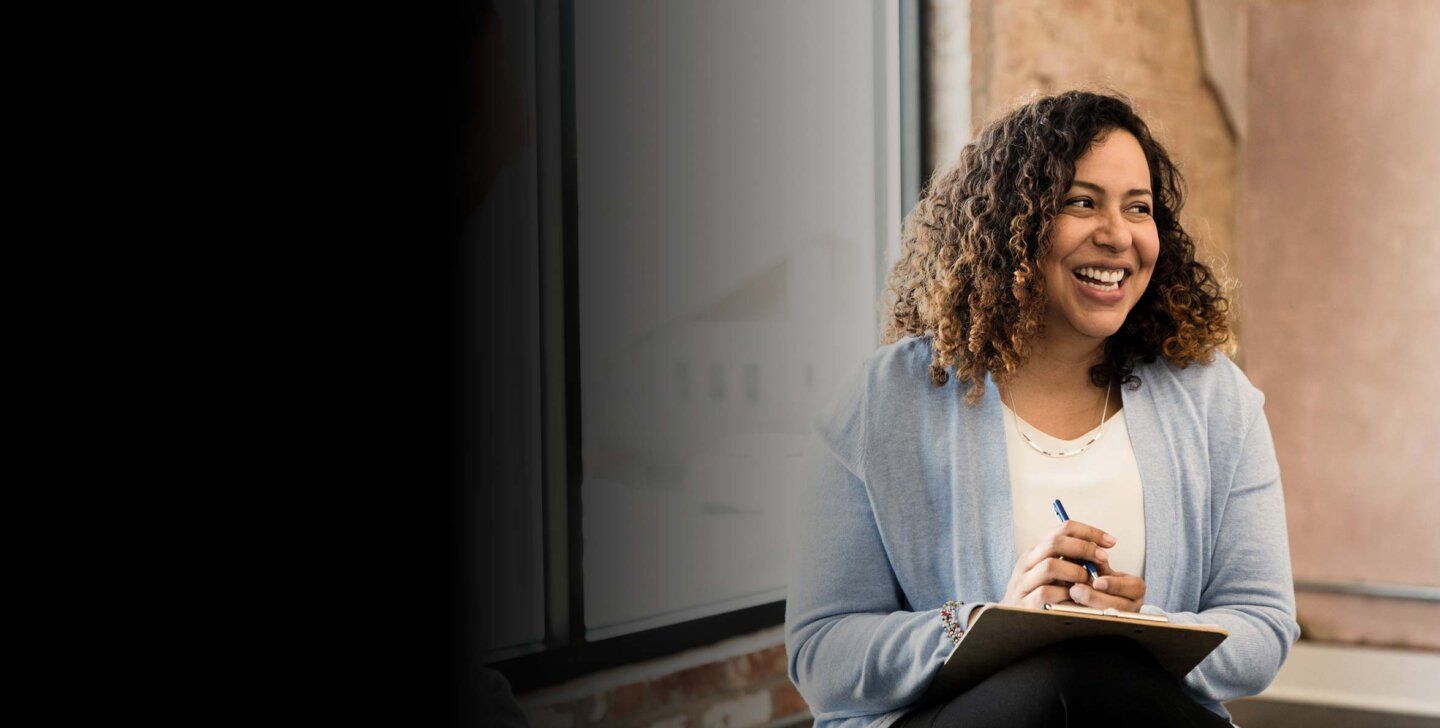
[
  {"x": 1055, "y": 388},
  {"x": 1059, "y": 368}
]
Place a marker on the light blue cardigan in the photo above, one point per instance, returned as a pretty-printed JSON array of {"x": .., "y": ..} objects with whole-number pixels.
[{"x": 905, "y": 503}]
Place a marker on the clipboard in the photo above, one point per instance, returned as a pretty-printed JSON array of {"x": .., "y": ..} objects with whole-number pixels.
[{"x": 1003, "y": 635}]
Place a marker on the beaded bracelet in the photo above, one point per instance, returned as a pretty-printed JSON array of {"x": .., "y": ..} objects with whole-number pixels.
[{"x": 948, "y": 617}]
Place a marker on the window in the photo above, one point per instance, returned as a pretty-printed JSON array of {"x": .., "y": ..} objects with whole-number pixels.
[{"x": 689, "y": 256}]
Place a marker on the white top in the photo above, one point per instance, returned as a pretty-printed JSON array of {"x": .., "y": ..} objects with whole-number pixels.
[{"x": 1100, "y": 486}]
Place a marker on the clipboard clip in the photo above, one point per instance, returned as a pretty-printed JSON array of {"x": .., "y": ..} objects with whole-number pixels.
[{"x": 1107, "y": 612}]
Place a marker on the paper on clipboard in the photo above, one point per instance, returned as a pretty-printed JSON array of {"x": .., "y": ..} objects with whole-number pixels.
[{"x": 1002, "y": 635}]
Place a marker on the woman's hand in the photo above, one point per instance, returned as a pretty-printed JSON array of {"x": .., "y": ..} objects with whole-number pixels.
[
  {"x": 1049, "y": 572},
  {"x": 1125, "y": 592}
]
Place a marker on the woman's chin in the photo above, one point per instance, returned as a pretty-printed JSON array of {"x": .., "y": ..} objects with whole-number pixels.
[
  {"x": 1084, "y": 318},
  {"x": 1099, "y": 328}
]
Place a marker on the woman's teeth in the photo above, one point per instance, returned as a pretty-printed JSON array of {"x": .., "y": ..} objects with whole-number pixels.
[
  {"x": 1099, "y": 278},
  {"x": 1102, "y": 275}
]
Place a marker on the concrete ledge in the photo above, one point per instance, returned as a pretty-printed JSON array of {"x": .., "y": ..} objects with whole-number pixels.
[{"x": 1384, "y": 680}]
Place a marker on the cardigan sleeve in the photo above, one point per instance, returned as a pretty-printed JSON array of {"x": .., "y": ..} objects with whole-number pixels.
[
  {"x": 853, "y": 647},
  {"x": 1249, "y": 590}
]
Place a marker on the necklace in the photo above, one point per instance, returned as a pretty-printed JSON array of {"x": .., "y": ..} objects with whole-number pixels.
[{"x": 1015, "y": 416}]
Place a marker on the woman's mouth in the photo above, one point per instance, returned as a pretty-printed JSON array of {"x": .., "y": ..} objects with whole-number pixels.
[{"x": 1104, "y": 280}]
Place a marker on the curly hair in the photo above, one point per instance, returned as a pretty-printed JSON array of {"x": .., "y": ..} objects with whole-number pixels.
[{"x": 969, "y": 272}]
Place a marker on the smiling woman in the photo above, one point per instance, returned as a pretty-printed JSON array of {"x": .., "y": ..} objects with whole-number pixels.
[
  {"x": 1017, "y": 193},
  {"x": 1103, "y": 244},
  {"x": 1048, "y": 270}
]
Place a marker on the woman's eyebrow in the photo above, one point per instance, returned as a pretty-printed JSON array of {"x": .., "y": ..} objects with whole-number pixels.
[{"x": 1101, "y": 190}]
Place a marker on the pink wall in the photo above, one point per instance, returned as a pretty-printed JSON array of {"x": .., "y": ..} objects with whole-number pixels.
[{"x": 1339, "y": 255}]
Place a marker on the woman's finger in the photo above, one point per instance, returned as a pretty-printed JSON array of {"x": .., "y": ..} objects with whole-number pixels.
[
  {"x": 1103, "y": 568},
  {"x": 1118, "y": 584},
  {"x": 1086, "y": 595},
  {"x": 1077, "y": 549},
  {"x": 1038, "y": 598},
  {"x": 1049, "y": 572},
  {"x": 1085, "y": 532},
  {"x": 1073, "y": 540}
]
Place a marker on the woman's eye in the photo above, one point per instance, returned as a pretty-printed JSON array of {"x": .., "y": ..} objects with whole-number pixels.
[
  {"x": 1084, "y": 202},
  {"x": 1141, "y": 208}
]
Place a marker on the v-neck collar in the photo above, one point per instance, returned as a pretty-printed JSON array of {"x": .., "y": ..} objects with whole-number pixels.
[{"x": 1159, "y": 479}]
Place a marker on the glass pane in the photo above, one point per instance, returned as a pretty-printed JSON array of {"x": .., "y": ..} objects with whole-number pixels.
[{"x": 729, "y": 160}]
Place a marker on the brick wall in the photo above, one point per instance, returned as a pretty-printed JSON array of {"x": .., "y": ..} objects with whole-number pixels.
[{"x": 739, "y": 691}]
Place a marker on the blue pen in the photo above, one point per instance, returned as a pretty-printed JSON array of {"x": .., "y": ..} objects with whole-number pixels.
[{"x": 1063, "y": 516}]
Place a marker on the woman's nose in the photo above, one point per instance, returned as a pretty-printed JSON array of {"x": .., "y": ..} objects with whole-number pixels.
[{"x": 1113, "y": 232}]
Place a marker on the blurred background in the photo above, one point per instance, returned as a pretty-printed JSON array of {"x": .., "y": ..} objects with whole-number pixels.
[{"x": 677, "y": 219}]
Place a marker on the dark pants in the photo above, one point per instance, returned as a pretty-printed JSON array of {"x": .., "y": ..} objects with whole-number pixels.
[{"x": 1107, "y": 681}]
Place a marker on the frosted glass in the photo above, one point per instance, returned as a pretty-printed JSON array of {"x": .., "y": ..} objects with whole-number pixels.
[{"x": 729, "y": 192}]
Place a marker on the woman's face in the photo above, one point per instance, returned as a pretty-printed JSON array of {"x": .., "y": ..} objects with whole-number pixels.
[{"x": 1104, "y": 243}]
